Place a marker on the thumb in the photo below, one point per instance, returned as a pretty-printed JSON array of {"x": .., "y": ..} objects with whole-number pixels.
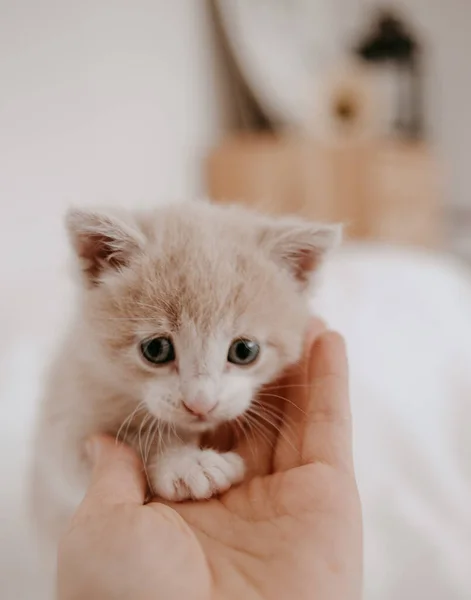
[{"x": 117, "y": 475}]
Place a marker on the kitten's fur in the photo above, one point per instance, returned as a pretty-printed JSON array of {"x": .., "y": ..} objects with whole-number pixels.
[{"x": 202, "y": 275}]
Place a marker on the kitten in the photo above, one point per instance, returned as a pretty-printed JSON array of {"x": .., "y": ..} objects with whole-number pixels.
[{"x": 185, "y": 312}]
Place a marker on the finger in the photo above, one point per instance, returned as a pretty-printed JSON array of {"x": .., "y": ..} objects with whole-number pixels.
[
  {"x": 293, "y": 392},
  {"x": 117, "y": 476},
  {"x": 265, "y": 425},
  {"x": 327, "y": 435},
  {"x": 323, "y": 423}
]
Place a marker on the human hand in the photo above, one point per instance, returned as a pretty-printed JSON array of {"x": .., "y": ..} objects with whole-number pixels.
[{"x": 293, "y": 531}]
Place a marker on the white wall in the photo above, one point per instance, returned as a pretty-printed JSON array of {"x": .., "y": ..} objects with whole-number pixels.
[{"x": 101, "y": 101}]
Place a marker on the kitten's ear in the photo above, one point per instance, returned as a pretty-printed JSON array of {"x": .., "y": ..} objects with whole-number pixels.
[
  {"x": 102, "y": 242},
  {"x": 300, "y": 246}
]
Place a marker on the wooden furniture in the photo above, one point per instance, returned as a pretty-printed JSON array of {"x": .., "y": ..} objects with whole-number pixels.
[{"x": 386, "y": 190}]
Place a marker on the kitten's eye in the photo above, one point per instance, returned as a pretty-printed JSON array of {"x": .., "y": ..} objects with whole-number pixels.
[
  {"x": 243, "y": 352},
  {"x": 158, "y": 351}
]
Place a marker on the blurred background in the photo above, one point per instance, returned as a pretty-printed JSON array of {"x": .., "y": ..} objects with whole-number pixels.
[{"x": 345, "y": 110}]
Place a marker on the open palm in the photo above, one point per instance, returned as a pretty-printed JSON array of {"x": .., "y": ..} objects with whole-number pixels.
[{"x": 291, "y": 531}]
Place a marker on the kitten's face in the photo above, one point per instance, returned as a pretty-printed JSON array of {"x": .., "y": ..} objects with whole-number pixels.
[{"x": 192, "y": 308}]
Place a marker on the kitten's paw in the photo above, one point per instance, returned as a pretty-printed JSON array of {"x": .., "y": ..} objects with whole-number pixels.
[{"x": 194, "y": 474}]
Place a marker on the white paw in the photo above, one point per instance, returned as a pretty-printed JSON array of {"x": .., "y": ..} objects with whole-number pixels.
[{"x": 194, "y": 474}]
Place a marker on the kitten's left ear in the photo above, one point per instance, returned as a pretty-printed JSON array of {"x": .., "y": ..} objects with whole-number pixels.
[
  {"x": 103, "y": 242},
  {"x": 300, "y": 246}
]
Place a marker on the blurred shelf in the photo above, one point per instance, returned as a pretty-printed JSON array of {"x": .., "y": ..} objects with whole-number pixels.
[{"x": 388, "y": 190}]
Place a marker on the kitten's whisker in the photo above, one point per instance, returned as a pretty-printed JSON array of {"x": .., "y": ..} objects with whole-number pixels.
[
  {"x": 146, "y": 441},
  {"x": 175, "y": 433},
  {"x": 151, "y": 437},
  {"x": 249, "y": 430},
  {"x": 262, "y": 424},
  {"x": 264, "y": 395},
  {"x": 244, "y": 431},
  {"x": 274, "y": 411},
  {"x": 261, "y": 433},
  {"x": 278, "y": 424},
  {"x": 121, "y": 427},
  {"x": 260, "y": 411},
  {"x": 265, "y": 423},
  {"x": 169, "y": 434},
  {"x": 144, "y": 421},
  {"x": 163, "y": 434},
  {"x": 288, "y": 386},
  {"x": 142, "y": 407},
  {"x": 280, "y": 432},
  {"x": 264, "y": 403},
  {"x": 141, "y": 427},
  {"x": 127, "y": 421},
  {"x": 260, "y": 430}
]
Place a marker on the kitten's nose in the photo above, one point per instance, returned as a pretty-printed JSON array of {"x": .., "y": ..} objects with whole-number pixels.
[{"x": 200, "y": 405}]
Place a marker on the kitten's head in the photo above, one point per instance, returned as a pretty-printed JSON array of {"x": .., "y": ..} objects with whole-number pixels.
[{"x": 191, "y": 308}]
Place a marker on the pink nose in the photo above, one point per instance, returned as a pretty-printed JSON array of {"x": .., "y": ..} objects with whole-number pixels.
[{"x": 200, "y": 406}]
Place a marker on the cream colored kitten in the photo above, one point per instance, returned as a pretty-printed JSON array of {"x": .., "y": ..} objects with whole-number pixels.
[{"x": 184, "y": 313}]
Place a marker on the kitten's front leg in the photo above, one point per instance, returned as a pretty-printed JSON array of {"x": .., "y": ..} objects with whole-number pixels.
[{"x": 187, "y": 472}]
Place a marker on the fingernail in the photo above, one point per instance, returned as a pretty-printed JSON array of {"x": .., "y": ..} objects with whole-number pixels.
[{"x": 92, "y": 448}]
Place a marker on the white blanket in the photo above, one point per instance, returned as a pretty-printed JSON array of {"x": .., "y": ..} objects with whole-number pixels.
[{"x": 407, "y": 320}]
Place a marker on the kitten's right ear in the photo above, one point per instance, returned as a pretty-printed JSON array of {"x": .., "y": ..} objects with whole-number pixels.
[
  {"x": 102, "y": 242},
  {"x": 299, "y": 246}
]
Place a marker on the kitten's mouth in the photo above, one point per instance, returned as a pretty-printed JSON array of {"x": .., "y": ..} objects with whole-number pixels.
[
  {"x": 200, "y": 418},
  {"x": 202, "y": 422}
]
